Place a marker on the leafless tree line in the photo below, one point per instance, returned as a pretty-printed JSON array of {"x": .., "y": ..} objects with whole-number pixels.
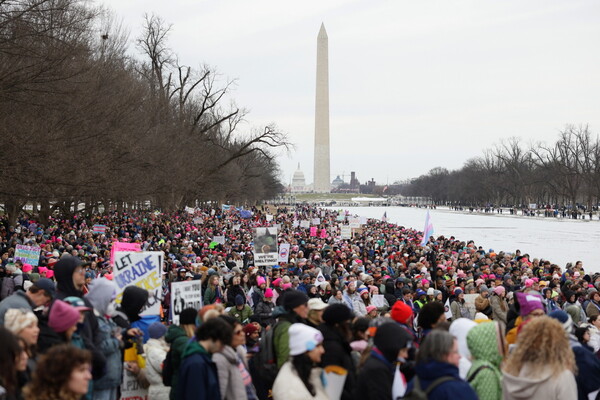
[
  {"x": 565, "y": 173},
  {"x": 82, "y": 122}
]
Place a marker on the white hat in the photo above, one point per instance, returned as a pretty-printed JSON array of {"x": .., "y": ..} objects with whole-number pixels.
[
  {"x": 316, "y": 304},
  {"x": 430, "y": 291},
  {"x": 303, "y": 338}
]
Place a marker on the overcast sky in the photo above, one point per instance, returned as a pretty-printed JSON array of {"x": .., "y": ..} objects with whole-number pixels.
[{"x": 413, "y": 84}]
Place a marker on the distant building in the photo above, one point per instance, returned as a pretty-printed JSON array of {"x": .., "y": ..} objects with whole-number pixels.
[
  {"x": 298, "y": 181},
  {"x": 337, "y": 182}
]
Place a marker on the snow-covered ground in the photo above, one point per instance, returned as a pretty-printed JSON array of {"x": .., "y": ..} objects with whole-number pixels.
[{"x": 557, "y": 240}]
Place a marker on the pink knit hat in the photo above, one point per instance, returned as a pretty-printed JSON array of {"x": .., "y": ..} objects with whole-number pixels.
[
  {"x": 62, "y": 316},
  {"x": 286, "y": 286},
  {"x": 27, "y": 268},
  {"x": 260, "y": 280},
  {"x": 268, "y": 293},
  {"x": 499, "y": 290}
]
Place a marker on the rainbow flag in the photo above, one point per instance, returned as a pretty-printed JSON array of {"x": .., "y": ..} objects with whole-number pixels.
[{"x": 427, "y": 231}]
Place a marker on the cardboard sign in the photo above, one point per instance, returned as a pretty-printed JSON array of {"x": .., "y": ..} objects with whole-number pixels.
[
  {"x": 131, "y": 389},
  {"x": 284, "y": 253},
  {"x": 265, "y": 246},
  {"x": 186, "y": 294},
  {"x": 27, "y": 254},
  {"x": 142, "y": 269}
]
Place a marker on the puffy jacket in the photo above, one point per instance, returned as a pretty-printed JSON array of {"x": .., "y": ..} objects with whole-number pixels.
[
  {"x": 110, "y": 347},
  {"x": 498, "y": 312},
  {"x": 155, "y": 351},
  {"x": 281, "y": 337},
  {"x": 484, "y": 375},
  {"x": 450, "y": 390},
  {"x": 544, "y": 387},
  {"x": 231, "y": 382},
  {"x": 375, "y": 379},
  {"x": 264, "y": 311},
  {"x": 243, "y": 315},
  {"x": 289, "y": 386},
  {"x": 338, "y": 352}
]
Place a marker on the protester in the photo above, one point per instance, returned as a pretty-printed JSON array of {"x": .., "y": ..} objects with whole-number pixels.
[
  {"x": 39, "y": 294},
  {"x": 438, "y": 358},
  {"x": 299, "y": 378},
  {"x": 376, "y": 376},
  {"x": 542, "y": 365},
  {"x": 295, "y": 303},
  {"x": 62, "y": 374},
  {"x": 177, "y": 337},
  {"x": 486, "y": 345},
  {"x": 155, "y": 351},
  {"x": 198, "y": 377},
  {"x": 459, "y": 329},
  {"x": 9, "y": 354}
]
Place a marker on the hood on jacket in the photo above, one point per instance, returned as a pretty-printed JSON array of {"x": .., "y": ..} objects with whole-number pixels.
[
  {"x": 63, "y": 272},
  {"x": 459, "y": 329},
  {"x": 102, "y": 293},
  {"x": 195, "y": 348},
  {"x": 389, "y": 287},
  {"x": 521, "y": 387},
  {"x": 134, "y": 299},
  {"x": 484, "y": 343},
  {"x": 174, "y": 332}
]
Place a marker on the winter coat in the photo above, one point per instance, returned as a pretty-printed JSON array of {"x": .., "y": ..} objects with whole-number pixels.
[
  {"x": 450, "y": 390},
  {"x": 459, "y": 310},
  {"x": 375, "y": 379},
  {"x": 231, "y": 382},
  {"x": 281, "y": 337},
  {"x": 359, "y": 307},
  {"x": 110, "y": 347},
  {"x": 156, "y": 351},
  {"x": 498, "y": 313},
  {"x": 264, "y": 310},
  {"x": 232, "y": 292},
  {"x": 544, "y": 387},
  {"x": 178, "y": 339},
  {"x": 484, "y": 375},
  {"x": 482, "y": 304},
  {"x": 212, "y": 294},
  {"x": 338, "y": 352},
  {"x": 243, "y": 315},
  {"x": 333, "y": 300},
  {"x": 588, "y": 369},
  {"x": 289, "y": 386},
  {"x": 198, "y": 379}
]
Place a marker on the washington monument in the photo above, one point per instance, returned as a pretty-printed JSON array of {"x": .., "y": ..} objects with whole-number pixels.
[{"x": 321, "y": 171}]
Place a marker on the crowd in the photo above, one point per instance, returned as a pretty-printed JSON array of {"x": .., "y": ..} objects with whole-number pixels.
[{"x": 376, "y": 316}]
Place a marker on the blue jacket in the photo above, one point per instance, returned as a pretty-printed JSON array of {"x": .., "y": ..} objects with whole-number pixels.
[
  {"x": 198, "y": 379},
  {"x": 588, "y": 365},
  {"x": 451, "y": 390}
]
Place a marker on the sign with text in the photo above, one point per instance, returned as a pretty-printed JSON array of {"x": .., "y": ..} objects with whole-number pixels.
[
  {"x": 184, "y": 295},
  {"x": 142, "y": 269},
  {"x": 304, "y": 224},
  {"x": 131, "y": 388},
  {"x": 284, "y": 253},
  {"x": 346, "y": 232},
  {"x": 219, "y": 239},
  {"x": 265, "y": 246},
  {"x": 27, "y": 254},
  {"x": 122, "y": 246},
  {"x": 354, "y": 222}
]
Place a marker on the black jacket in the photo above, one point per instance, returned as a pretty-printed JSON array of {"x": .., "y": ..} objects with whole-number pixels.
[
  {"x": 375, "y": 380},
  {"x": 338, "y": 352}
]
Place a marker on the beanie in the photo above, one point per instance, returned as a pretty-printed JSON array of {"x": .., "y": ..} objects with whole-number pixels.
[
  {"x": 293, "y": 299},
  {"x": 249, "y": 329},
  {"x": 303, "y": 338},
  {"x": 336, "y": 313},
  {"x": 565, "y": 319},
  {"x": 457, "y": 291},
  {"x": 529, "y": 302},
  {"x": 277, "y": 282},
  {"x": 499, "y": 290},
  {"x": 260, "y": 280},
  {"x": 62, "y": 316},
  {"x": 316, "y": 304},
  {"x": 529, "y": 283},
  {"x": 286, "y": 286},
  {"x": 401, "y": 312},
  {"x": 371, "y": 308},
  {"x": 268, "y": 293},
  {"x": 188, "y": 317},
  {"x": 362, "y": 289},
  {"x": 156, "y": 330},
  {"x": 239, "y": 300},
  {"x": 17, "y": 319},
  {"x": 27, "y": 268},
  {"x": 430, "y": 291}
]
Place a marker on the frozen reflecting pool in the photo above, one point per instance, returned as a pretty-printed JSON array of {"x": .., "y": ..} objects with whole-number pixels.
[{"x": 558, "y": 240}]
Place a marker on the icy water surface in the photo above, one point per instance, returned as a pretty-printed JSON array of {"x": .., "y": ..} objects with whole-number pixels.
[{"x": 558, "y": 240}]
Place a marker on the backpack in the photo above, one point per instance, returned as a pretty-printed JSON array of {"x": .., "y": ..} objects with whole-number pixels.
[
  {"x": 265, "y": 359},
  {"x": 167, "y": 369},
  {"x": 8, "y": 287},
  {"x": 419, "y": 394}
]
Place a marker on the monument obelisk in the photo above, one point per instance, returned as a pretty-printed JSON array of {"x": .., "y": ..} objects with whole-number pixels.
[{"x": 321, "y": 172}]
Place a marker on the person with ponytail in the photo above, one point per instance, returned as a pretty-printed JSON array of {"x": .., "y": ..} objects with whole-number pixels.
[{"x": 300, "y": 378}]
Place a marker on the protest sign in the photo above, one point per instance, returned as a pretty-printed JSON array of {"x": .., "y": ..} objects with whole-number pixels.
[
  {"x": 122, "y": 246},
  {"x": 313, "y": 231},
  {"x": 101, "y": 229},
  {"x": 236, "y": 227},
  {"x": 265, "y": 246},
  {"x": 284, "y": 253},
  {"x": 354, "y": 222},
  {"x": 323, "y": 234},
  {"x": 269, "y": 217},
  {"x": 346, "y": 232},
  {"x": 377, "y": 300},
  {"x": 142, "y": 269},
  {"x": 363, "y": 220},
  {"x": 219, "y": 239},
  {"x": 189, "y": 210},
  {"x": 184, "y": 295},
  {"x": 295, "y": 223},
  {"x": 27, "y": 254},
  {"x": 304, "y": 224},
  {"x": 470, "y": 303},
  {"x": 316, "y": 221},
  {"x": 198, "y": 220},
  {"x": 131, "y": 388}
]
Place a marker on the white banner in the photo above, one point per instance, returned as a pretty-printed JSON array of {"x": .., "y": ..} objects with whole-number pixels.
[
  {"x": 185, "y": 294},
  {"x": 142, "y": 269},
  {"x": 284, "y": 253},
  {"x": 265, "y": 246}
]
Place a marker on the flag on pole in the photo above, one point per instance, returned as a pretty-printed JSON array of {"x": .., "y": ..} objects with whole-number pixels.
[
  {"x": 427, "y": 231},
  {"x": 384, "y": 218}
]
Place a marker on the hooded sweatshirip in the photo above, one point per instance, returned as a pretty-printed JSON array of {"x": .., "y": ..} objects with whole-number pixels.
[
  {"x": 544, "y": 386},
  {"x": 484, "y": 375}
]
